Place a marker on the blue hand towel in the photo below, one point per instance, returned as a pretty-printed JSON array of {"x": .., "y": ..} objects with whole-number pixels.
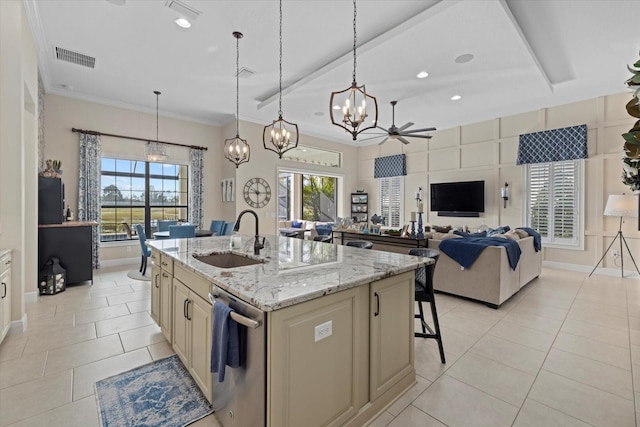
[
  {"x": 466, "y": 250},
  {"x": 225, "y": 347},
  {"x": 537, "y": 241}
]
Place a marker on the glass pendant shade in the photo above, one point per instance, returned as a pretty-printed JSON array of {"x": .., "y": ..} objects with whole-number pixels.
[
  {"x": 354, "y": 108},
  {"x": 350, "y": 108},
  {"x": 236, "y": 150},
  {"x": 154, "y": 150}
]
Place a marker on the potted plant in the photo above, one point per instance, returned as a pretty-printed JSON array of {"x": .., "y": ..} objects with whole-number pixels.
[{"x": 631, "y": 159}]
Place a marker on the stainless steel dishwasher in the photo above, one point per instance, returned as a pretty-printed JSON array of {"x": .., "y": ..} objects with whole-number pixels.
[{"x": 240, "y": 400}]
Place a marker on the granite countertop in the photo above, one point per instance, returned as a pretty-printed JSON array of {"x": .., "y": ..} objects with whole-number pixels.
[{"x": 293, "y": 271}]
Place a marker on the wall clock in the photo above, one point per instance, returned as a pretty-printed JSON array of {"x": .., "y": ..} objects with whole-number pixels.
[{"x": 257, "y": 192}]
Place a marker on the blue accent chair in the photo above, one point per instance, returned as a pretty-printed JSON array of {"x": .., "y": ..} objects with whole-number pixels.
[
  {"x": 217, "y": 226},
  {"x": 146, "y": 251},
  {"x": 227, "y": 230},
  {"x": 163, "y": 224},
  {"x": 182, "y": 231}
]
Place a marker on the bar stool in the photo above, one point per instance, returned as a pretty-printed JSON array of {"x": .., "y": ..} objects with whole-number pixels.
[
  {"x": 424, "y": 293},
  {"x": 363, "y": 244}
]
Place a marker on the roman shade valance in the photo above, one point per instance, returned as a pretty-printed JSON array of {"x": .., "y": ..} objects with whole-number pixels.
[
  {"x": 555, "y": 145},
  {"x": 385, "y": 167}
]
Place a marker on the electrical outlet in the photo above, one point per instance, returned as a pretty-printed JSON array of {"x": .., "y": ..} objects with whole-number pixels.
[
  {"x": 615, "y": 253},
  {"x": 323, "y": 331}
]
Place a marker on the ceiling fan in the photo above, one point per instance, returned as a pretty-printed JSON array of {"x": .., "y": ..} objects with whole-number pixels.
[{"x": 399, "y": 133}]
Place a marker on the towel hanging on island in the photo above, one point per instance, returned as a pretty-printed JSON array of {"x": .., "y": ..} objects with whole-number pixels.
[{"x": 225, "y": 346}]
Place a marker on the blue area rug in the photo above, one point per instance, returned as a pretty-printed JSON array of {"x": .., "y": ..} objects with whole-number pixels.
[{"x": 160, "y": 394}]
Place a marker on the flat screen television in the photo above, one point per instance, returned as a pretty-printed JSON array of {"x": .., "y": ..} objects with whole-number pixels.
[{"x": 464, "y": 199}]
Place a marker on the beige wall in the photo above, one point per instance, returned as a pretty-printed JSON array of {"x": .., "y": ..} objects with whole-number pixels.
[
  {"x": 18, "y": 151},
  {"x": 487, "y": 151},
  {"x": 64, "y": 113},
  {"x": 265, "y": 164}
]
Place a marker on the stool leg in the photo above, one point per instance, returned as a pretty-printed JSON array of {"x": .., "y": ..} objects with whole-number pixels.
[
  {"x": 424, "y": 331},
  {"x": 436, "y": 326}
]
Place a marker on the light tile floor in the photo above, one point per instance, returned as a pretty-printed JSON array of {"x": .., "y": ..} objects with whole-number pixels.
[{"x": 564, "y": 351}]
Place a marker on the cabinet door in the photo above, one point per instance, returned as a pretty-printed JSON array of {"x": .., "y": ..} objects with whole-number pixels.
[
  {"x": 166, "y": 304},
  {"x": 391, "y": 328},
  {"x": 200, "y": 343},
  {"x": 155, "y": 293},
  {"x": 5, "y": 303},
  {"x": 180, "y": 322}
]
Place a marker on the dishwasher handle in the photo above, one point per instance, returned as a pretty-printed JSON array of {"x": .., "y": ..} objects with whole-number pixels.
[{"x": 249, "y": 323}]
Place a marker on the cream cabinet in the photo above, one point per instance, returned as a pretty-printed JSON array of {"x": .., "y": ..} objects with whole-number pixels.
[
  {"x": 391, "y": 332},
  {"x": 340, "y": 359},
  {"x": 192, "y": 331},
  {"x": 5, "y": 294},
  {"x": 161, "y": 289}
]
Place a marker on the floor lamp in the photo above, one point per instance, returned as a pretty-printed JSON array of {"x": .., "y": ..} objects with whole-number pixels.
[{"x": 620, "y": 205}]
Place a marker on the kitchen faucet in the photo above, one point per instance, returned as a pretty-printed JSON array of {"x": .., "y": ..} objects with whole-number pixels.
[{"x": 256, "y": 245}]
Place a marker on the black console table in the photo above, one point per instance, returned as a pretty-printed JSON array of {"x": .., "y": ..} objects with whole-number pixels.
[
  {"x": 381, "y": 242},
  {"x": 70, "y": 242}
]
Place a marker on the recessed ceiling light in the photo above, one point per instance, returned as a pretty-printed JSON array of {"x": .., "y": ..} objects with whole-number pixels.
[
  {"x": 422, "y": 74},
  {"x": 465, "y": 57},
  {"x": 183, "y": 22},
  {"x": 318, "y": 113},
  {"x": 456, "y": 97}
]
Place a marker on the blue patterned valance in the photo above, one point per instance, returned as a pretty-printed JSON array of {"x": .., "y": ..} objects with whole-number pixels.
[
  {"x": 553, "y": 145},
  {"x": 390, "y": 166}
]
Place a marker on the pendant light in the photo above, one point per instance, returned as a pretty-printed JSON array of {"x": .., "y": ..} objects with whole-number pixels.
[
  {"x": 354, "y": 103},
  {"x": 154, "y": 150},
  {"x": 236, "y": 150},
  {"x": 281, "y": 135}
]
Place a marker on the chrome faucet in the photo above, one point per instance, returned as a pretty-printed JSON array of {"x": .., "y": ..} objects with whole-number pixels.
[{"x": 256, "y": 245}]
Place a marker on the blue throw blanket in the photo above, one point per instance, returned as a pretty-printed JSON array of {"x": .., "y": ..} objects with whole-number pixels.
[
  {"x": 467, "y": 249},
  {"x": 225, "y": 345},
  {"x": 537, "y": 242}
]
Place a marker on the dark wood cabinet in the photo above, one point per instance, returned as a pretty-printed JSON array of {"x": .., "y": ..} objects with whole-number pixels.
[{"x": 70, "y": 242}]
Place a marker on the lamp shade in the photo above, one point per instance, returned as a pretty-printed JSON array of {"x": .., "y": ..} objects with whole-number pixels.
[{"x": 621, "y": 205}]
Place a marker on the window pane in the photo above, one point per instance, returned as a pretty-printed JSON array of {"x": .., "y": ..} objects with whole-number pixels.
[{"x": 318, "y": 198}]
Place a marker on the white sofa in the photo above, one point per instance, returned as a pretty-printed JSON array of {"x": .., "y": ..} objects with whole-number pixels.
[{"x": 490, "y": 279}]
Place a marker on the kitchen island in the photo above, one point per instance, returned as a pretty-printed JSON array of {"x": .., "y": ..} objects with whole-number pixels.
[{"x": 335, "y": 330}]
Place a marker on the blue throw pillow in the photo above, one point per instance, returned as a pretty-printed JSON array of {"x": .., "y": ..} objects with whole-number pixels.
[
  {"x": 499, "y": 230},
  {"x": 296, "y": 224},
  {"x": 323, "y": 230}
]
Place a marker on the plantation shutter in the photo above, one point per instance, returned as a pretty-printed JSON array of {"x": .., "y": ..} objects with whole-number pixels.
[
  {"x": 564, "y": 200},
  {"x": 539, "y": 198},
  {"x": 391, "y": 196}
]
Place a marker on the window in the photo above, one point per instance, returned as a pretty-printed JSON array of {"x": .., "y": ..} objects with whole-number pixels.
[
  {"x": 554, "y": 201},
  {"x": 285, "y": 189},
  {"x": 138, "y": 192},
  {"x": 391, "y": 200},
  {"x": 319, "y": 198}
]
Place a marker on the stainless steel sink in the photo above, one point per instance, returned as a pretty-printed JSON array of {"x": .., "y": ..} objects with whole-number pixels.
[{"x": 227, "y": 260}]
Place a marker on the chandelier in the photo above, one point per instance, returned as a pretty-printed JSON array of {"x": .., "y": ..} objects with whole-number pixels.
[
  {"x": 281, "y": 135},
  {"x": 154, "y": 150},
  {"x": 236, "y": 149},
  {"x": 353, "y": 102}
]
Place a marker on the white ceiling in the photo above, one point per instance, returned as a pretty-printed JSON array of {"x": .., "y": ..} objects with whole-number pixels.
[{"x": 527, "y": 55}]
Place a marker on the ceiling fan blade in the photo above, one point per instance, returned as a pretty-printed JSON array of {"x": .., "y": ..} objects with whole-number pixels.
[
  {"x": 372, "y": 137},
  {"x": 384, "y": 129},
  {"x": 401, "y": 139},
  {"x": 420, "y": 130},
  {"x": 416, "y": 136},
  {"x": 383, "y": 141},
  {"x": 404, "y": 126}
]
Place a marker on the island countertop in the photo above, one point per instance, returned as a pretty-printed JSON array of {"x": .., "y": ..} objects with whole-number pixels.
[{"x": 292, "y": 270}]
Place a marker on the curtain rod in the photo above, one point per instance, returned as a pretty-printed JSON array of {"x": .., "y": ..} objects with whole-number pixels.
[{"x": 94, "y": 132}]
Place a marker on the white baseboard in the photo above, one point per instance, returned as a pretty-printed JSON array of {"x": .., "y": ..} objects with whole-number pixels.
[
  {"x": 31, "y": 296},
  {"x": 629, "y": 273},
  {"x": 120, "y": 261},
  {"x": 19, "y": 326}
]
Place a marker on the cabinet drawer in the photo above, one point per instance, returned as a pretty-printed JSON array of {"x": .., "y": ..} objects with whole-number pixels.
[
  {"x": 166, "y": 263},
  {"x": 5, "y": 262},
  {"x": 155, "y": 258},
  {"x": 197, "y": 284}
]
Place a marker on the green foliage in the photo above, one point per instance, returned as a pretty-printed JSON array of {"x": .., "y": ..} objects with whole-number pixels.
[{"x": 631, "y": 168}]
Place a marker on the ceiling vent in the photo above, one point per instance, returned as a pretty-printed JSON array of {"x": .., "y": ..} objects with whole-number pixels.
[
  {"x": 244, "y": 73},
  {"x": 75, "y": 57},
  {"x": 183, "y": 9}
]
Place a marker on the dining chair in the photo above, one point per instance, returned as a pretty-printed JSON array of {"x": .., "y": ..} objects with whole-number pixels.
[
  {"x": 227, "y": 230},
  {"x": 163, "y": 224},
  {"x": 145, "y": 250},
  {"x": 182, "y": 231},
  {"x": 363, "y": 244},
  {"x": 424, "y": 293},
  {"x": 216, "y": 226}
]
